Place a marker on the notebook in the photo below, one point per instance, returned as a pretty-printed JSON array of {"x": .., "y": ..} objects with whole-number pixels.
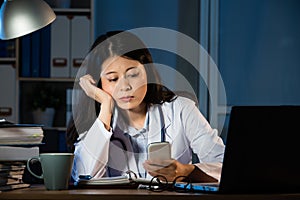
[{"x": 262, "y": 151}]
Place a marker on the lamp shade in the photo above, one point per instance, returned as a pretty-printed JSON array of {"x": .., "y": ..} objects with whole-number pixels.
[{"x": 21, "y": 17}]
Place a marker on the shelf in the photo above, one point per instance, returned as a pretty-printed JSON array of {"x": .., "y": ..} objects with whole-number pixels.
[
  {"x": 30, "y": 89},
  {"x": 46, "y": 79},
  {"x": 8, "y": 60},
  {"x": 72, "y": 11}
]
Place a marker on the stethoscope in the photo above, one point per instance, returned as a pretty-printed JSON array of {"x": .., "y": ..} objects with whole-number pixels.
[{"x": 124, "y": 148}]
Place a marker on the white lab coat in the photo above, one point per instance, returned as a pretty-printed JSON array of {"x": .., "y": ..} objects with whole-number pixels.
[{"x": 185, "y": 128}]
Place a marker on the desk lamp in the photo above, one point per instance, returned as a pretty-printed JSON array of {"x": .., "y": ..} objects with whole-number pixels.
[{"x": 21, "y": 17}]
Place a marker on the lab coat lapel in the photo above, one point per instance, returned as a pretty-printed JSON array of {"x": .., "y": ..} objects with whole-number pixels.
[{"x": 156, "y": 123}]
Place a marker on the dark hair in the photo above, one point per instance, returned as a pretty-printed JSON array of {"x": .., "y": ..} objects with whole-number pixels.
[{"x": 113, "y": 43}]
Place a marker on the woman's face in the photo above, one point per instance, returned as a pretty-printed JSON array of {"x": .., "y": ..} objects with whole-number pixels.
[{"x": 125, "y": 80}]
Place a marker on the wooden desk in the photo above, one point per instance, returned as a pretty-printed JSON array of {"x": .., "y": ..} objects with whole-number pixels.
[{"x": 39, "y": 192}]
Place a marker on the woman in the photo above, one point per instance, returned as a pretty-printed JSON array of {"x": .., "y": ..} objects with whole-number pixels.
[{"x": 124, "y": 107}]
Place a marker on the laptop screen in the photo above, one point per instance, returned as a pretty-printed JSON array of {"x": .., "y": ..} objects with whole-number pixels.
[{"x": 262, "y": 150}]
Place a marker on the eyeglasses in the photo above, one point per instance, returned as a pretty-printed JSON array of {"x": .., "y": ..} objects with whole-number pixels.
[{"x": 160, "y": 183}]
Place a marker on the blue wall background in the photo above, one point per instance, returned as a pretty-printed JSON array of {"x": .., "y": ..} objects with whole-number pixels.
[
  {"x": 116, "y": 14},
  {"x": 260, "y": 51},
  {"x": 123, "y": 15}
]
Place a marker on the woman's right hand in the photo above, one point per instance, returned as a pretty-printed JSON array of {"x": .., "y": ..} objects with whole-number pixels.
[{"x": 88, "y": 84}]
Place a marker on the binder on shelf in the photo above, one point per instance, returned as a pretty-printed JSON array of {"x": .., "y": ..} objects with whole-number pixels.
[
  {"x": 35, "y": 54},
  {"x": 7, "y": 49},
  {"x": 45, "y": 51},
  {"x": 25, "y": 56},
  {"x": 68, "y": 105},
  {"x": 80, "y": 42},
  {"x": 3, "y": 51},
  {"x": 60, "y": 46}
]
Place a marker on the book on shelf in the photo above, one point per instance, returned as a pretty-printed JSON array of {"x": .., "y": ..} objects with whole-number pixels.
[{"x": 11, "y": 133}]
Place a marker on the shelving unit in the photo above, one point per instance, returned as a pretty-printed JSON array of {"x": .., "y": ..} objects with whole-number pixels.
[
  {"x": 17, "y": 91},
  {"x": 25, "y": 85},
  {"x": 54, "y": 137}
]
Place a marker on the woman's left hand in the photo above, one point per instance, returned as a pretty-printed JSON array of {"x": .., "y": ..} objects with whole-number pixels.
[{"x": 170, "y": 169}]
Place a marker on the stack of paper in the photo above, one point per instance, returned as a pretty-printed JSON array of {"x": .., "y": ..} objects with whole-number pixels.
[
  {"x": 18, "y": 143},
  {"x": 11, "y": 133},
  {"x": 11, "y": 174},
  {"x": 17, "y": 153},
  {"x": 106, "y": 181}
]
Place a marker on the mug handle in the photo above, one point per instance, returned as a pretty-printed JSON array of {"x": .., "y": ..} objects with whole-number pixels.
[{"x": 28, "y": 167}]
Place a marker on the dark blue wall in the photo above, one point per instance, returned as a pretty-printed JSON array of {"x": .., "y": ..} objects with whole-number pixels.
[
  {"x": 260, "y": 51},
  {"x": 129, "y": 14}
]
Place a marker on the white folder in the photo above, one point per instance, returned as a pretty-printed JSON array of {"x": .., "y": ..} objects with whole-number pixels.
[
  {"x": 60, "y": 46},
  {"x": 80, "y": 42},
  {"x": 8, "y": 93}
]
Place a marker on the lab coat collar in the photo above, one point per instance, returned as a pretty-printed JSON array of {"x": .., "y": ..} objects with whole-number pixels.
[
  {"x": 153, "y": 123},
  {"x": 119, "y": 122}
]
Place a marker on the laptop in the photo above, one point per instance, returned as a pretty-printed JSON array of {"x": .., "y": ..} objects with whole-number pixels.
[{"x": 262, "y": 151}]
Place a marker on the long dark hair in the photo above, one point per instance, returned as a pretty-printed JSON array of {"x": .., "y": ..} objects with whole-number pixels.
[{"x": 113, "y": 43}]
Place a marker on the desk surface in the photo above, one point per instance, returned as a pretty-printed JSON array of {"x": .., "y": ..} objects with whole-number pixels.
[{"x": 39, "y": 192}]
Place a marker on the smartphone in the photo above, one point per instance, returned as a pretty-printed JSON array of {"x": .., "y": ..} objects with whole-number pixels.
[{"x": 159, "y": 151}]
